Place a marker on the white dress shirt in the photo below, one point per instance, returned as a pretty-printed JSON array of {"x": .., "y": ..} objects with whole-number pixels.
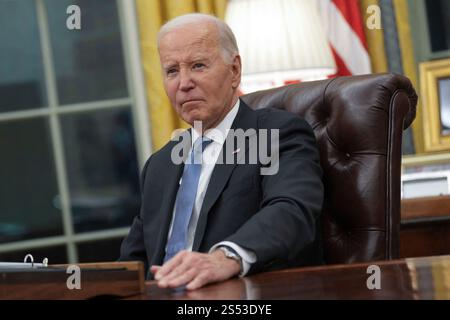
[{"x": 209, "y": 158}]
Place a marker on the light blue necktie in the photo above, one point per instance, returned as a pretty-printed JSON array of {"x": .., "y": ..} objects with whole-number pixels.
[{"x": 186, "y": 199}]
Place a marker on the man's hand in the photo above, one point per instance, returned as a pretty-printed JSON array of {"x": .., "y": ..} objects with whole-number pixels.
[{"x": 195, "y": 269}]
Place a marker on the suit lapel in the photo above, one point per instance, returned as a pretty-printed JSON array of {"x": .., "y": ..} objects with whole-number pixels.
[{"x": 245, "y": 119}]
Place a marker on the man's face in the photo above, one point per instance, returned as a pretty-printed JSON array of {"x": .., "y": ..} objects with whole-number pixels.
[{"x": 198, "y": 82}]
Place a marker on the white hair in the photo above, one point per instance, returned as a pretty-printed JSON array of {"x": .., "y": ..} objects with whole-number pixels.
[{"x": 226, "y": 38}]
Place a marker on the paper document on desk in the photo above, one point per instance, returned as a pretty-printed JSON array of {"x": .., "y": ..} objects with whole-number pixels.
[
  {"x": 28, "y": 263},
  {"x": 20, "y": 265}
]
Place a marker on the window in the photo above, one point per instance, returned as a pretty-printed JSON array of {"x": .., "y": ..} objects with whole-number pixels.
[
  {"x": 22, "y": 83},
  {"x": 70, "y": 136}
]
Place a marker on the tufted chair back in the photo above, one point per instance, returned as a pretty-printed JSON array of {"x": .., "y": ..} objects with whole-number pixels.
[{"x": 358, "y": 122}]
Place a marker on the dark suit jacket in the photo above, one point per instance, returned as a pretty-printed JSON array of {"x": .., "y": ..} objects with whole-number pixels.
[{"x": 275, "y": 216}]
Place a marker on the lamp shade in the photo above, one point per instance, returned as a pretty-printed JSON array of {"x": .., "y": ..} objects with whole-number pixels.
[{"x": 280, "y": 40}]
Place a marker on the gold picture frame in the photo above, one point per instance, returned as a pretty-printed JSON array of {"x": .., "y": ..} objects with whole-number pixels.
[{"x": 435, "y": 94}]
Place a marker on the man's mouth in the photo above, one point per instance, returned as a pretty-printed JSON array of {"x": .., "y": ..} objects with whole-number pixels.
[{"x": 189, "y": 102}]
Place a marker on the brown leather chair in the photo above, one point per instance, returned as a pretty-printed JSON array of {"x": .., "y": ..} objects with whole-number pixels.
[{"x": 358, "y": 122}]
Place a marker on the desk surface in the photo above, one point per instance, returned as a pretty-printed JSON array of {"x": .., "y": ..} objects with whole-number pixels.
[{"x": 416, "y": 278}]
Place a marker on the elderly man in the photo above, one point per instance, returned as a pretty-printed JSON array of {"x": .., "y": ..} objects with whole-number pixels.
[{"x": 203, "y": 223}]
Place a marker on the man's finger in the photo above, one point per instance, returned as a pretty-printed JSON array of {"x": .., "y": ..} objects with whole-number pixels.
[
  {"x": 170, "y": 265},
  {"x": 199, "y": 281},
  {"x": 185, "y": 266},
  {"x": 182, "y": 279},
  {"x": 154, "y": 269}
]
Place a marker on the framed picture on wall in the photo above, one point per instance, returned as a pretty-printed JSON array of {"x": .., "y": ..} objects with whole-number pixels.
[
  {"x": 444, "y": 104},
  {"x": 435, "y": 92}
]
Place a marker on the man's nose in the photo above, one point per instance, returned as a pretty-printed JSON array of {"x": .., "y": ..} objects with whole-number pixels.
[{"x": 186, "y": 81}]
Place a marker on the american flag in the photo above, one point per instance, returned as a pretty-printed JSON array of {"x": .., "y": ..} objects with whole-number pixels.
[{"x": 343, "y": 24}]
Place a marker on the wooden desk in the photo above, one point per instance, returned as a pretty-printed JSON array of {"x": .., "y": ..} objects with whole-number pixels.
[
  {"x": 425, "y": 227},
  {"x": 97, "y": 280},
  {"x": 416, "y": 278}
]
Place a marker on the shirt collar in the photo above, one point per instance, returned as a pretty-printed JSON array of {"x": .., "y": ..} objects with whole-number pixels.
[{"x": 219, "y": 133}]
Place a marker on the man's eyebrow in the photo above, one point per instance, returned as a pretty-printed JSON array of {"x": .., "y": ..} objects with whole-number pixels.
[
  {"x": 168, "y": 65},
  {"x": 200, "y": 59}
]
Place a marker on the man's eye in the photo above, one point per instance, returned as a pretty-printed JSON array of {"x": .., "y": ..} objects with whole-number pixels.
[
  {"x": 198, "y": 66},
  {"x": 171, "y": 71}
]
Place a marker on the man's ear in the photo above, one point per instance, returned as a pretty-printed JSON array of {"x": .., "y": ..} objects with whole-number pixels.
[{"x": 236, "y": 69}]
